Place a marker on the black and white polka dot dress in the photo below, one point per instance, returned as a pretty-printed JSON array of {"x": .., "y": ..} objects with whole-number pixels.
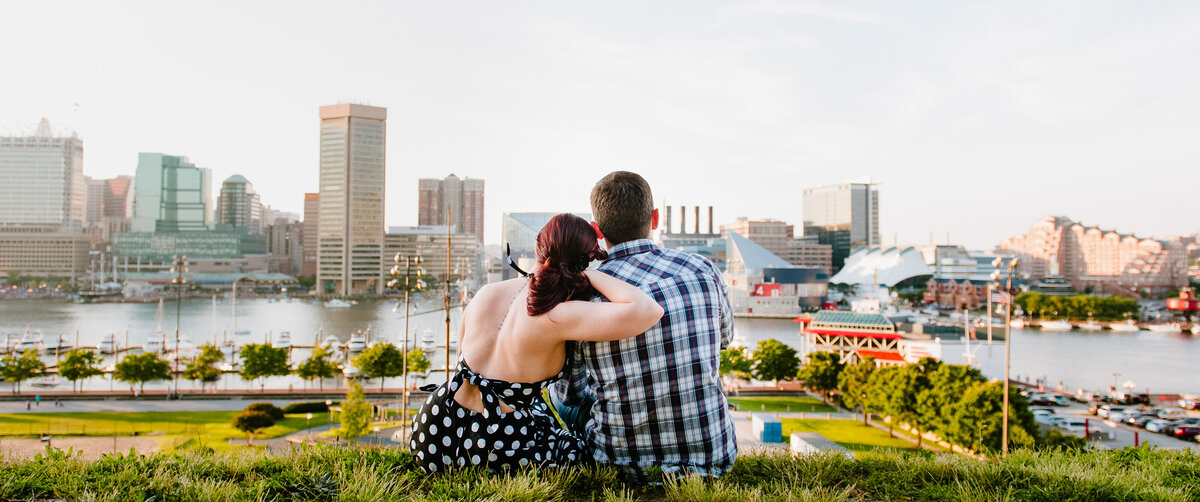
[{"x": 446, "y": 435}]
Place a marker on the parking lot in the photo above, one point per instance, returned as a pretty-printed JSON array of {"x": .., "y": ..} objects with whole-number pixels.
[{"x": 1122, "y": 434}]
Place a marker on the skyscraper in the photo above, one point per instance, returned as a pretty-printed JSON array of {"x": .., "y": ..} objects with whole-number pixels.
[
  {"x": 350, "y": 227},
  {"x": 844, "y": 216},
  {"x": 308, "y": 233},
  {"x": 240, "y": 206},
  {"x": 171, "y": 195},
  {"x": 461, "y": 199},
  {"x": 108, "y": 208}
]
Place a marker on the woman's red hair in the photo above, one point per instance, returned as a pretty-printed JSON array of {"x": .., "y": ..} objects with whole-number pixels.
[{"x": 565, "y": 247}]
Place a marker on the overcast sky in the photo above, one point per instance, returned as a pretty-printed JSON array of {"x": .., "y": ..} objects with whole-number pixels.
[{"x": 975, "y": 118}]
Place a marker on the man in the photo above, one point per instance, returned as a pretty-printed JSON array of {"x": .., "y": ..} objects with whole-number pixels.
[{"x": 654, "y": 399}]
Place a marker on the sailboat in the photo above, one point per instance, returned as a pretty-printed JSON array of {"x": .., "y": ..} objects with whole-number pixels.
[{"x": 236, "y": 331}]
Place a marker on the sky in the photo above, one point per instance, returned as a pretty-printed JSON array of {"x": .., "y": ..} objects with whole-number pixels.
[{"x": 976, "y": 118}]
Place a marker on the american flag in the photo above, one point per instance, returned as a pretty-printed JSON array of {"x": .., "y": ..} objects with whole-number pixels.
[{"x": 1001, "y": 297}]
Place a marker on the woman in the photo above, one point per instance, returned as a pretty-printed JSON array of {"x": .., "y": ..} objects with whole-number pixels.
[{"x": 514, "y": 343}]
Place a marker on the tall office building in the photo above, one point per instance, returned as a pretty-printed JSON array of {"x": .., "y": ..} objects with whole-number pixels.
[
  {"x": 109, "y": 204},
  {"x": 350, "y": 226},
  {"x": 844, "y": 216},
  {"x": 42, "y": 197},
  {"x": 239, "y": 205},
  {"x": 461, "y": 200},
  {"x": 308, "y": 234},
  {"x": 171, "y": 195}
]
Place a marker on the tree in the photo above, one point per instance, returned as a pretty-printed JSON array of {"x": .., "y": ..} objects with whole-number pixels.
[
  {"x": 948, "y": 384},
  {"x": 142, "y": 368},
  {"x": 735, "y": 363},
  {"x": 914, "y": 389},
  {"x": 977, "y": 420},
  {"x": 854, "y": 383},
  {"x": 774, "y": 361},
  {"x": 821, "y": 373},
  {"x": 203, "y": 367},
  {"x": 319, "y": 365},
  {"x": 251, "y": 422},
  {"x": 79, "y": 364},
  {"x": 417, "y": 362},
  {"x": 356, "y": 412},
  {"x": 380, "y": 361},
  {"x": 19, "y": 369},
  {"x": 275, "y": 412},
  {"x": 307, "y": 281},
  {"x": 261, "y": 360},
  {"x": 882, "y": 394}
]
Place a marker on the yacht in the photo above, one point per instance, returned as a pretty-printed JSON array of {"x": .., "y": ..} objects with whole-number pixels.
[
  {"x": 428, "y": 342},
  {"x": 351, "y": 372},
  {"x": 337, "y": 303},
  {"x": 331, "y": 342},
  {"x": 283, "y": 341},
  {"x": 357, "y": 343},
  {"x": 44, "y": 381},
  {"x": 108, "y": 345},
  {"x": 31, "y": 340},
  {"x": 1196, "y": 328},
  {"x": 1017, "y": 323},
  {"x": 1125, "y": 327},
  {"x": 1091, "y": 326},
  {"x": 1056, "y": 326},
  {"x": 1165, "y": 328}
]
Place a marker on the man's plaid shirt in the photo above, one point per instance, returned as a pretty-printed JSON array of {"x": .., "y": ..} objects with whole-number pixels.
[{"x": 659, "y": 400}]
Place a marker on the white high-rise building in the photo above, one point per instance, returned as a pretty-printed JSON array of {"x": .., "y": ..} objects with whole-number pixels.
[
  {"x": 844, "y": 216},
  {"x": 41, "y": 179},
  {"x": 350, "y": 228}
]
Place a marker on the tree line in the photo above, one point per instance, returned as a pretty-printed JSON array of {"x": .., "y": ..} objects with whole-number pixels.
[
  {"x": 259, "y": 362},
  {"x": 1079, "y": 307}
]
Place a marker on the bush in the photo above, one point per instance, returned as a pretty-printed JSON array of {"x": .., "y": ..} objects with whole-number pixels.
[
  {"x": 313, "y": 407},
  {"x": 271, "y": 410},
  {"x": 252, "y": 421}
]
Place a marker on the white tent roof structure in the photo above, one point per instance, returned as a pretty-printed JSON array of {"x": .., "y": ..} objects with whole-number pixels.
[{"x": 883, "y": 266}]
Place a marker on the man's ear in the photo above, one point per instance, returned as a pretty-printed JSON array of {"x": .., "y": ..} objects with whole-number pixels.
[
  {"x": 596, "y": 227},
  {"x": 654, "y": 220}
]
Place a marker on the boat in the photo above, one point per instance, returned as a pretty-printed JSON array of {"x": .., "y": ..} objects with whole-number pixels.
[
  {"x": 1091, "y": 326},
  {"x": 283, "y": 341},
  {"x": 357, "y": 342},
  {"x": 1165, "y": 328},
  {"x": 60, "y": 345},
  {"x": 1196, "y": 328},
  {"x": 31, "y": 340},
  {"x": 428, "y": 342},
  {"x": 351, "y": 372},
  {"x": 156, "y": 343},
  {"x": 44, "y": 381},
  {"x": 337, "y": 303},
  {"x": 1056, "y": 326},
  {"x": 228, "y": 348},
  {"x": 185, "y": 347},
  {"x": 108, "y": 345},
  {"x": 331, "y": 342},
  {"x": 1017, "y": 323},
  {"x": 1125, "y": 327}
]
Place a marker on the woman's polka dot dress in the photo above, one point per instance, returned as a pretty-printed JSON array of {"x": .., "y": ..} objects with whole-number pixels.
[{"x": 447, "y": 435}]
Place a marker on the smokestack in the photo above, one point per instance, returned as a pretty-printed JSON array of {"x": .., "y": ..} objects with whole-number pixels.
[
  {"x": 667, "y": 222},
  {"x": 683, "y": 219},
  {"x": 710, "y": 222},
  {"x": 697, "y": 219}
]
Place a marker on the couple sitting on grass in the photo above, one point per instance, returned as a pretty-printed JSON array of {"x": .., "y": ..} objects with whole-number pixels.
[{"x": 633, "y": 378}]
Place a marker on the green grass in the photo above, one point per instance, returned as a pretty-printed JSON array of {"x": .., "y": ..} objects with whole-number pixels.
[
  {"x": 326, "y": 473},
  {"x": 852, "y": 434},
  {"x": 795, "y": 404},
  {"x": 213, "y": 425}
]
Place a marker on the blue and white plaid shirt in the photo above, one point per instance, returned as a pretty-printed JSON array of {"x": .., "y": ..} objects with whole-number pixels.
[{"x": 659, "y": 400}]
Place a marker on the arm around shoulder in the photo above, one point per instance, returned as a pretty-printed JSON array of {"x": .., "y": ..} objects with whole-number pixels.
[{"x": 628, "y": 312}]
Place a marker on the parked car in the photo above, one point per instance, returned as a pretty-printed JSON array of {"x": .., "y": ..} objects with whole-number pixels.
[
  {"x": 1048, "y": 400},
  {"x": 1094, "y": 406},
  {"x": 1118, "y": 416},
  {"x": 1072, "y": 424},
  {"x": 1189, "y": 404},
  {"x": 1187, "y": 431},
  {"x": 1158, "y": 425},
  {"x": 1141, "y": 420},
  {"x": 1105, "y": 410},
  {"x": 1172, "y": 414}
]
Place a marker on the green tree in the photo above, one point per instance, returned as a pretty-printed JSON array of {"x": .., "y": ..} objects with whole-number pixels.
[
  {"x": 417, "y": 362},
  {"x": 821, "y": 373},
  {"x": 381, "y": 360},
  {"x": 775, "y": 361},
  {"x": 307, "y": 281},
  {"x": 915, "y": 390},
  {"x": 319, "y": 365},
  {"x": 356, "y": 412},
  {"x": 251, "y": 422},
  {"x": 883, "y": 395},
  {"x": 203, "y": 367},
  {"x": 735, "y": 363},
  {"x": 854, "y": 383},
  {"x": 141, "y": 368},
  {"x": 977, "y": 420},
  {"x": 19, "y": 369},
  {"x": 275, "y": 412},
  {"x": 79, "y": 364},
  {"x": 948, "y": 384},
  {"x": 261, "y": 360}
]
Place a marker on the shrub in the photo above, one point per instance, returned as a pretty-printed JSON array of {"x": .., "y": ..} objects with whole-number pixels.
[
  {"x": 271, "y": 410},
  {"x": 312, "y": 407},
  {"x": 250, "y": 422}
]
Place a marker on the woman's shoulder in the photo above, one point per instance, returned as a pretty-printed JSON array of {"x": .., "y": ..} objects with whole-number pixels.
[{"x": 498, "y": 291}]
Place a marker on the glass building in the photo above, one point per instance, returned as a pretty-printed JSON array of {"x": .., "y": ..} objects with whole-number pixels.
[
  {"x": 844, "y": 216},
  {"x": 170, "y": 195}
]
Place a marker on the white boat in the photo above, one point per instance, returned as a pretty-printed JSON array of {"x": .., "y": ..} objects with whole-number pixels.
[
  {"x": 31, "y": 340},
  {"x": 108, "y": 345},
  {"x": 156, "y": 343},
  {"x": 228, "y": 348},
  {"x": 337, "y": 303},
  {"x": 1165, "y": 328},
  {"x": 331, "y": 342},
  {"x": 1056, "y": 326},
  {"x": 283, "y": 341},
  {"x": 241, "y": 332},
  {"x": 428, "y": 342},
  {"x": 351, "y": 372},
  {"x": 44, "y": 381},
  {"x": 1196, "y": 328},
  {"x": 357, "y": 343},
  {"x": 1017, "y": 323},
  {"x": 1091, "y": 326},
  {"x": 1124, "y": 327}
]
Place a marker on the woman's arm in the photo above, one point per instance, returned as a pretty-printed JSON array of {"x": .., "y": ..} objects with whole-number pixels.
[{"x": 628, "y": 312}]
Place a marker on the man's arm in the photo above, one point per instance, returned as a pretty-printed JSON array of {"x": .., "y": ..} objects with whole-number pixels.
[
  {"x": 724, "y": 307},
  {"x": 573, "y": 390}
]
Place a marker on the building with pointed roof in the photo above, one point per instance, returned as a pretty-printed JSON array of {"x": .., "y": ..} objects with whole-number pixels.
[{"x": 763, "y": 284}]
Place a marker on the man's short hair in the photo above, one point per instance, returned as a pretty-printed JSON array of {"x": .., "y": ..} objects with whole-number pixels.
[{"x": 622, "y": 206}]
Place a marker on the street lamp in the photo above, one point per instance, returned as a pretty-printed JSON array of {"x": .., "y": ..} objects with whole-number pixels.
[
  {"x": 376, "y": 435},
  {"x": 308, "y": 425},
  {"x": 1008, "y": 301},
  {"x": 409, "y": 263},
  {"x": 178, "y": 267},
  {"x": 329, "y": 408}
]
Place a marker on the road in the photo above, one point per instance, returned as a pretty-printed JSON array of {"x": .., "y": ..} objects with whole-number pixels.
[{"x": 1123, "y": 433}]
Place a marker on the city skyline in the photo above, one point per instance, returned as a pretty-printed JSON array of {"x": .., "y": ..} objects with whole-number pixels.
[{"x": 970, "y": 107}]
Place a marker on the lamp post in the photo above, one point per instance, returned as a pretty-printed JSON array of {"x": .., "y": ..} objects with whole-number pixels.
[
  {"x": 376, "y": 435},
  {"x": 308, "y": 425},
  {"x": 409, "y": 263},
  {"x": 1008, "y": 303},
  {"x": 178, "y": 267},
  {"x": 329, "y": 408}
]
